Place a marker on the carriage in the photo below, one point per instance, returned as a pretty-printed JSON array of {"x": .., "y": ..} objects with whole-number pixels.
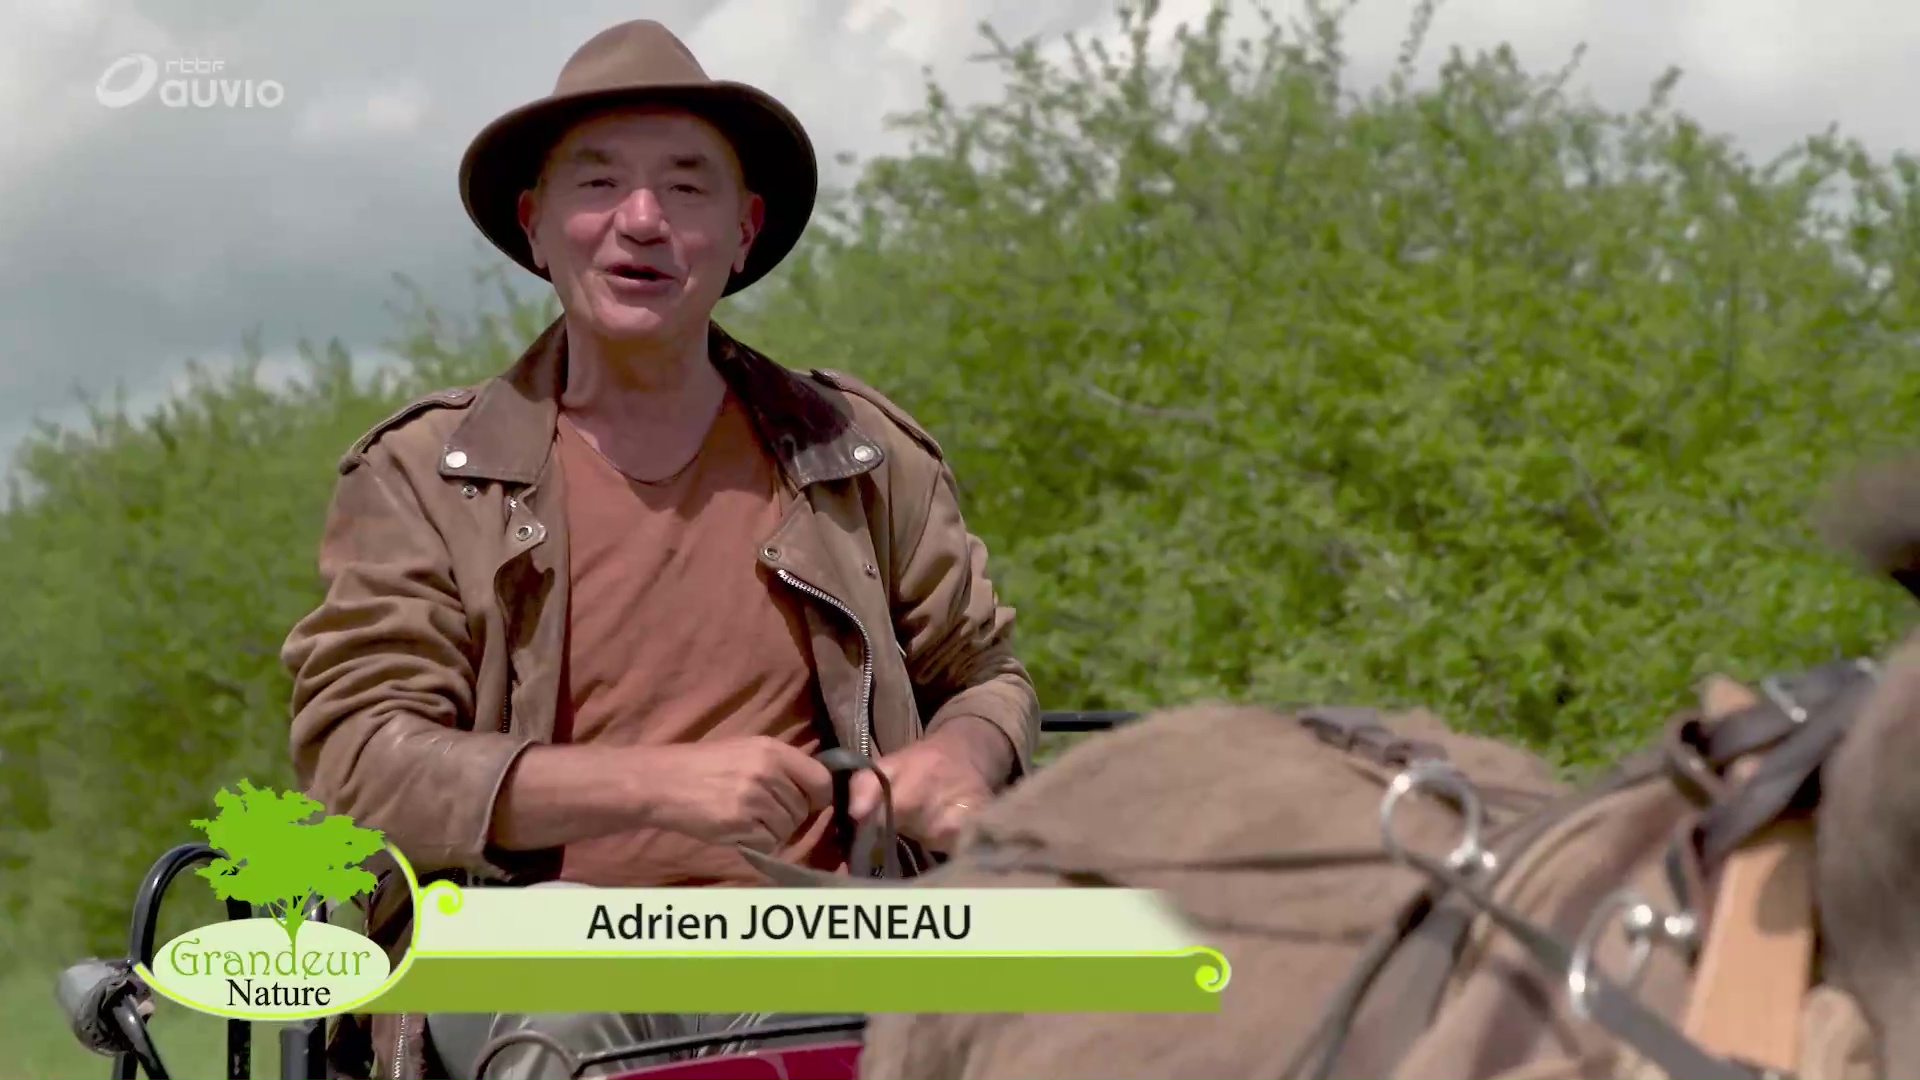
[{"x": 105, "y": 1003}]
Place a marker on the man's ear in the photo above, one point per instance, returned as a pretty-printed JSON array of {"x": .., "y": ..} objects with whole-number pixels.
[
  {"x": 753, "y": 217},
  {"x": 527, "y": 209}
]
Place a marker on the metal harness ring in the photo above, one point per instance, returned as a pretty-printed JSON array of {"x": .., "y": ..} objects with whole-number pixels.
[
  {"x": 1470, "y": 854},
  {"x": 1642, "y": 923}
]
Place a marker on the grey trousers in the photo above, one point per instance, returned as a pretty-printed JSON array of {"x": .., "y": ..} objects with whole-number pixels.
[{"x": 543, "y": 1046}]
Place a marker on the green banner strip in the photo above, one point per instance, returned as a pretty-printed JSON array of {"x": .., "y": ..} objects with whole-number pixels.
[{"x": 809, "y": 984}]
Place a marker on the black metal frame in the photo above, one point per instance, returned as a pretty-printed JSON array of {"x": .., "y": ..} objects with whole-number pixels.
[
  {"x": 1066, "y": 722},
  {"x": 140, "y": 946},
  {"x": 303, "y": 1044}
]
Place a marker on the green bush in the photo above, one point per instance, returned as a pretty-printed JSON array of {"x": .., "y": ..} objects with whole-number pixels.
[
  {"x": 1469, "y": 394},
  {"x": 1472, "y": 395}
]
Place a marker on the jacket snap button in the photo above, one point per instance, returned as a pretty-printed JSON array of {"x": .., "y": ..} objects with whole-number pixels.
[
  {"x": 770, "y": 552},
  {"x": 469, "y": 490},
  {"x": 872, "y": 570},
  {"x": 863, "y": 454},
  {"x": 456, "y": 459},
  {"x": 524, "y": 532}
]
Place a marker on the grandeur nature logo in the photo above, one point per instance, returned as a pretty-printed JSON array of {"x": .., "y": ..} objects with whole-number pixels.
[{"x": 279, "y": 855}]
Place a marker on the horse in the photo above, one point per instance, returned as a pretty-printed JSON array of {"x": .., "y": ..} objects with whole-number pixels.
[{"x": 1399, "y": 899}]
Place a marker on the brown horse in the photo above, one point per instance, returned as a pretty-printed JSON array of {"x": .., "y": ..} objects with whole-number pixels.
[{"x": 1400, "y": 900}]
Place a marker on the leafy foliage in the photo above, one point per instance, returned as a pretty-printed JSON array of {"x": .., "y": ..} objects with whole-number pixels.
[
  {"x": 1461, "y": 392},
  {"x": 276, "y": 856}
]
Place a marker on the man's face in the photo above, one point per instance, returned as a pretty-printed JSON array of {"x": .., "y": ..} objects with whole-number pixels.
[{"x": 640, "y": 218}]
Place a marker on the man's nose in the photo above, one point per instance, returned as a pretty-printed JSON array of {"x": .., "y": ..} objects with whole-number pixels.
[{"x": 640, "y": 214}]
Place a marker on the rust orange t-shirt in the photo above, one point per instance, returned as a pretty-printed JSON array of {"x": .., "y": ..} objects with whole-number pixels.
[{"x": 677, "y": 634}]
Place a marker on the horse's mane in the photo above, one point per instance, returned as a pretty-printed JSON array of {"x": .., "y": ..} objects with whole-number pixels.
[{"x": 1869, "y": 822}]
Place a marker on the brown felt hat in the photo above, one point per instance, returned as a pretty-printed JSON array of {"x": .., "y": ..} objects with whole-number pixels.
[{"x": 643, "y": 63}]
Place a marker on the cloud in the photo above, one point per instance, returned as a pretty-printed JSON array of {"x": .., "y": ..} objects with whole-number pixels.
[
  {"x": 131, "y": 239},
  {"x": 365, "y": 112},
  {"x": 47, "y": 72}
]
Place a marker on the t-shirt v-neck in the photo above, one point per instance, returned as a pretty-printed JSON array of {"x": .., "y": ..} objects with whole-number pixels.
[{"x": 677, "y": 634}]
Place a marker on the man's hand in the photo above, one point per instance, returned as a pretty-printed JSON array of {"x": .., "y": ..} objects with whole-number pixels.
[
  {"x": 756, "y": 792},
  {"x": 937, "y": 782}
]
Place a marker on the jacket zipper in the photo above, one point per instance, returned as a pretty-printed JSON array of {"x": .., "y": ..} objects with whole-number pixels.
[
  {"x": 864, "y": 716},
  {"x": 400, "y": 1049}
]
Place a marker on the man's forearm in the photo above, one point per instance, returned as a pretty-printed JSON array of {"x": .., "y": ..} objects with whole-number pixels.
[
  {"x": 557, "y": 795},
  {"x": 982, "y": 744},
  {"x": 998, "y": 694}
]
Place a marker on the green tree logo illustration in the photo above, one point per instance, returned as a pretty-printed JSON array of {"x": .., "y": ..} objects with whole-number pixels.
[{"x": 280, "y": 859}]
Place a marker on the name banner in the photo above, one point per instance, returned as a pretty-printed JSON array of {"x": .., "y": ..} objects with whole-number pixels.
[
  {"x": 805, "y": 950},
  {"x": 829, "y": 950}
]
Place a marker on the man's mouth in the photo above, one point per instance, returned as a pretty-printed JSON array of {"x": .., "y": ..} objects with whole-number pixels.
[{"x": 639, "y": 273}]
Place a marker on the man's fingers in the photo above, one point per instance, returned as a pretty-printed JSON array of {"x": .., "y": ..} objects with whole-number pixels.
[
  {"x": 863, "y": 795},
  {"x": 788, "y": 806},
  {"x": 815, "y": 781},
  {"x": 812, "y": 780},
  {"x": 762, "y": 839}
]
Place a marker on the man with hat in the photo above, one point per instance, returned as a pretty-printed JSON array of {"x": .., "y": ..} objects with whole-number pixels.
[{"x": 590, "y": 621}]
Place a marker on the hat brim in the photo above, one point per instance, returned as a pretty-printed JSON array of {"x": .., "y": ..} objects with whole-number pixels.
[{"x": 776, "y": 158}]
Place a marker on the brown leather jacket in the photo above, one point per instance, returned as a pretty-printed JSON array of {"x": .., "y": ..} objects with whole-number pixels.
[{"x": 434, "y": 658}]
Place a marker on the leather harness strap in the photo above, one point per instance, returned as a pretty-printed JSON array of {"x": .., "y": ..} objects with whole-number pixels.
[
  {"x": 1395, "y": 990},
  {"x": 1762, "y": 723},
  {"x": 1358, "y": 729},
  {"x": 1700, "y": 750},
  {"x": 1756, "y": 963},
  {"x": 1816, "y": 714},
  {"x": 1365, "y": 1032}
]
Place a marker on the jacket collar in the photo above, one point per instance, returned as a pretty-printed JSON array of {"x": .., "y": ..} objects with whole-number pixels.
[{"x": 508, "y": 432}]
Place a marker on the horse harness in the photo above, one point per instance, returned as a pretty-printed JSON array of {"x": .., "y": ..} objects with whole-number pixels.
[
  {"x": 1396, "y": 987},
  {"x": 1791, "y": 731}
]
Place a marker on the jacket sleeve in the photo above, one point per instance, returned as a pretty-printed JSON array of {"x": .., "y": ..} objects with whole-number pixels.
[
  {"x": 383, "y": 681},
  {"x": 956, "y": 632}
]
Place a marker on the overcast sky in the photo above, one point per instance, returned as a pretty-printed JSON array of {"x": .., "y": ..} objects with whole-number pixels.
[{"x": 137, "y": 238}]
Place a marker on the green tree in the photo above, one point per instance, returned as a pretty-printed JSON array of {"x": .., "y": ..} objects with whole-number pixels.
[{"x": 278, "y": 857}]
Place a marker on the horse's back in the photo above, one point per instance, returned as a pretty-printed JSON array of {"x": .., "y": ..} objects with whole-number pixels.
[{"x": 1192, "y": 786}]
